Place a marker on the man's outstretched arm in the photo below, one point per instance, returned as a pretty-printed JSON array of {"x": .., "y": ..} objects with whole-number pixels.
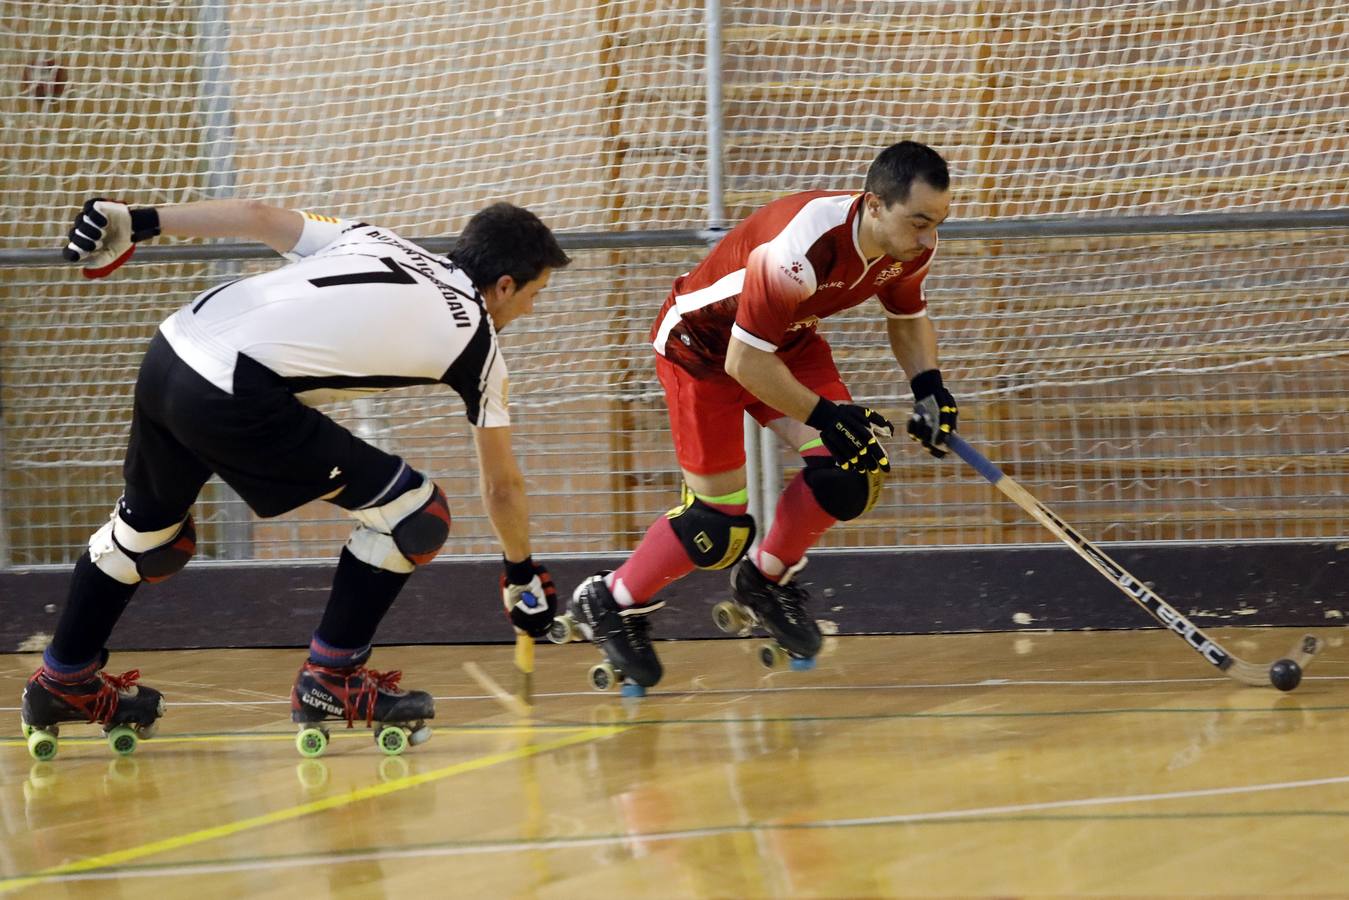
[{"x": 105, "y": 232}]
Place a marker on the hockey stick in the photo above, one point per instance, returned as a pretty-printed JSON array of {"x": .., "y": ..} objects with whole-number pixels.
[
  {"x": 524, "y": 664},
  {"x": 521, "y": 703},
  {"x": 497, "y": 692},
  {"x": 1279, "y": 673}
]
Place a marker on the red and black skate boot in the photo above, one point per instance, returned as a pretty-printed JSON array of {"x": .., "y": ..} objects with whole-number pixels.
[
  {"x": 780, "y": 607},
  {"x": 128, "y": 711},
  {"x": 355, "y": 693}
]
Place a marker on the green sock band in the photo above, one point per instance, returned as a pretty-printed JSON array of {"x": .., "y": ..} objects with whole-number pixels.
[
  {"x": 810, "y": 445},
  {"x": 731, "y": 499}
]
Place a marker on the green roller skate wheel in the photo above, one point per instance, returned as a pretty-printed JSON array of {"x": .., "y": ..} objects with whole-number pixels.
[
  {"x": 311, "y": 742},
  {"x": 123, "y": 740},
  {"x": 41, "y": 745},
  {"x": 27, "y": 730},
  {"x": 391, "y": 740}
]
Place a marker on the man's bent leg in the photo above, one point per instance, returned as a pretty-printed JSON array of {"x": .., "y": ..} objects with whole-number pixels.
[
  {"x": 799, "y": 520},
  {"x": 402, "y": 528},
  {"x": 135, "y": 545},
  {"x": 663, "y": 554}
]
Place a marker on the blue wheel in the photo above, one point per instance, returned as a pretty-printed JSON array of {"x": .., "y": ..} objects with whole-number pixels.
[{"x": 630, "y": 689}]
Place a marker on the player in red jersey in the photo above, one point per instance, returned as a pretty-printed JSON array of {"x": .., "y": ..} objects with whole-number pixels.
[{"x": 738, "y": 334}]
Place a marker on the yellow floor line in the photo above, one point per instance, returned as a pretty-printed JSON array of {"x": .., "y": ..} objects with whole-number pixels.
[
  {"x": 339, "y": 733},
  {"x": 118, "y": 857}
]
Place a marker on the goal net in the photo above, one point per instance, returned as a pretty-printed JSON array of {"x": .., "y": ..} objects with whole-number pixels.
[{"x": 1155, "y": 386}]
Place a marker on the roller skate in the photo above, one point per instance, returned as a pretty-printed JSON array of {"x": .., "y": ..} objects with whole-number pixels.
[
  {"x": 780, "y": 608},
  {"x": 622, "y": 633},
  {"x": 127, "y": 711},
  {"x": 397, "y": 717}
]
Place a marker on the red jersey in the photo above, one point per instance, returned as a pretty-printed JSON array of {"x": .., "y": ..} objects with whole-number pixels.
[{"x": 775, "y": 276}]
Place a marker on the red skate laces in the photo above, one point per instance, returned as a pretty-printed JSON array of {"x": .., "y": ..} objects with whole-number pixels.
[
  {"x": 371, "y": 683},
  {"x": 101, "y": 705},
  {"x": 114, "y": 686}
]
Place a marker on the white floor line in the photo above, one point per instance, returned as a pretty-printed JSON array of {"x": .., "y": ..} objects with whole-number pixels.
[
  {"x": 323, "y": 859},
  {"x": 798, "y": 688}
]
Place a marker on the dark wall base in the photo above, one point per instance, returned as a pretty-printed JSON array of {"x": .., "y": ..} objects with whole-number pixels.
[{"x": 936, "y": 591}]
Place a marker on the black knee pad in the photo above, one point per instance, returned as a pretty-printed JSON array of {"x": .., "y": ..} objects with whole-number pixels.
[
  {"x": 404, "y": 532},
  {"x": 420, "y": 536},
  {"x": 131, "y": 556},
  {"x": 169, "y": 559},
  {"x": 712, "y": 539},
  {"x": 843, "y": 494}
]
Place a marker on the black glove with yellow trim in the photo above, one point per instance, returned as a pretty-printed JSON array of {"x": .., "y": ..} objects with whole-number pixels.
[
  {"x": 849, "y": 432},
  {"x": 934, "y": 412}
]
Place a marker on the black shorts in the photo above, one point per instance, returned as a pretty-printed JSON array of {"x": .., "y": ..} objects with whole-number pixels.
[{"x": 274, "y": 451}]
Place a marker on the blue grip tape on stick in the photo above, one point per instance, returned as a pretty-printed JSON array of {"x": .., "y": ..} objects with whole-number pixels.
[{"x": 977, "y": 460}]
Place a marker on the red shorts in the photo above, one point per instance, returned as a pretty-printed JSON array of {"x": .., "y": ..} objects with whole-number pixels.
[{"x": 707, "y": 415}]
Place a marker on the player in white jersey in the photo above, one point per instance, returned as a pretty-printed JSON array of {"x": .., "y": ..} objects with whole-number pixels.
[{"x": 228, "y": 386}]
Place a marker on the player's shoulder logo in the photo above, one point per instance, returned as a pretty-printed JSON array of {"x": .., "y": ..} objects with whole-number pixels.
[
  {"x": 793, "y": 271},
  {"x": 891, "y": 272},
  {"x": 807, "y": 322}
]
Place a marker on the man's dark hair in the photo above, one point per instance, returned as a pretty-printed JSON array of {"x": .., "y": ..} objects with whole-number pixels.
[
  {"x": 893, "y": 173},
  {"x": 504, "y": 239}
]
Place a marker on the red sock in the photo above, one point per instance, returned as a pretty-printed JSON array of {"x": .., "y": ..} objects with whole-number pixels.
[
  {"x": 658, "y": 560},
  {"x": 798, "y": 523}
]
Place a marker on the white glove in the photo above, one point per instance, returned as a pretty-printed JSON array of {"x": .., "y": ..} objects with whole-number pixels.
[{"x": 105, "y": 234}]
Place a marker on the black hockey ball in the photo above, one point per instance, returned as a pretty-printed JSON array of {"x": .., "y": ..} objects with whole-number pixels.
[{"x": 1285, "y": 674}]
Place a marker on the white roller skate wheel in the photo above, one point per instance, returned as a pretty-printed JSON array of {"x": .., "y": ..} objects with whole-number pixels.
[
  {"x": 420, "y": 735},
  {"x": 771, "y": 655},
  {"x": 802, "y": 664},
  {"x": 562, "y": 631},
  {"x": 391, "y": 739},
  {"x": 148, "y": 731},
  {"x": 632, "y": 689},
  {"x": 602, "y": 676},
  {"x": 123, "y": 740},
  {"x": 42, "y": 744},
  {"x": 728, "y": 618},
  {"x": 311, "y": 742}
]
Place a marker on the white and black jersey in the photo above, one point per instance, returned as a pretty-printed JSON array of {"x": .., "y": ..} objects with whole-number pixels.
[{"x": 358, "y": 311}]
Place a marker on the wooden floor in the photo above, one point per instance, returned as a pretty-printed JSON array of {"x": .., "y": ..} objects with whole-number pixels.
[{"x": 1096, "y": 764}]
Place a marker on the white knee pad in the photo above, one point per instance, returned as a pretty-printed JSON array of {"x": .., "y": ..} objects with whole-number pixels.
[
  {"x": 404, "y": 533},
  {"x": 128, "y": 555}
]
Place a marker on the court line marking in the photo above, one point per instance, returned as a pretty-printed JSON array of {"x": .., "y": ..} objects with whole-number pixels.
[
  {"x": 176, "y": 842},
  {"x": 799, "y": 688},
  {"x": 234, "y": 737},
  {"x": 541, "y": 724},
  {"x": 1020, "y": 811}
]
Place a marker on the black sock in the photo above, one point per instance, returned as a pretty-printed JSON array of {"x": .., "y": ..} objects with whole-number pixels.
[
  {"x": 93, "y": 606},
  {"x": 361, "y": 595}
]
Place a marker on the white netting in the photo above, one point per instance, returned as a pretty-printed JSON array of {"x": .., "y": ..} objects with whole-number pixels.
[
  {"x": 593, "y": 113},
  {"x": 1149, "y": 387},
  {"x": 1048, "y": 107}
]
